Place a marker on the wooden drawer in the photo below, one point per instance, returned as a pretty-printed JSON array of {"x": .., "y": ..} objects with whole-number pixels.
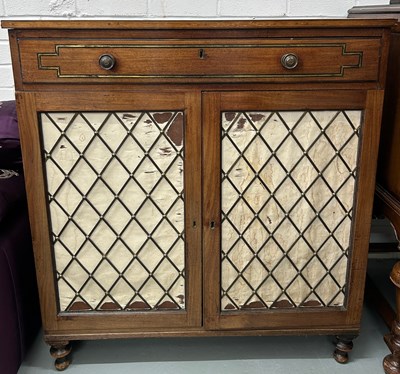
[{"x": 75, "y": 60}]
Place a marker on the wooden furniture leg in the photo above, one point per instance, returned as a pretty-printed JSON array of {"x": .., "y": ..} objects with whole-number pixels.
[
  {"x": 344, "y": 345},
  {"x": 389, "y": 205},
  {"x": 391, "y": 363},
  {"x": 61, "y": 352}
]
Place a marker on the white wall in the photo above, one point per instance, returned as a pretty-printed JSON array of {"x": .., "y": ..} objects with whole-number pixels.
[{"x": 35, "y": 9}]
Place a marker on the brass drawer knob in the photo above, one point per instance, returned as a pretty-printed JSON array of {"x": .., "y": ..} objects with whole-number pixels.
[
  {"x": 289, "y": 61},
  {"x": 107, "y": 62}
]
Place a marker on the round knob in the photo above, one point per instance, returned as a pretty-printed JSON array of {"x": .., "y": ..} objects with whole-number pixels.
[
  {"x": 289, "y": 61},
  {"x": 106, "y": 62}
]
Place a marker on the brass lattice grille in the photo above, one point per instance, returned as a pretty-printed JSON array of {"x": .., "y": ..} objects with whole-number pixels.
[
  {"x": 115, "y": 190},
  {"x": 288, "y": 182}
]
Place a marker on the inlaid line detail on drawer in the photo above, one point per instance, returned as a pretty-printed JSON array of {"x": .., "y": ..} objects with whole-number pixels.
[{"x": 155, "y": 61}]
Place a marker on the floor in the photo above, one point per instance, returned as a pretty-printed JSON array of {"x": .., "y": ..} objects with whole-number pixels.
[{"x": 243, "y": 355}]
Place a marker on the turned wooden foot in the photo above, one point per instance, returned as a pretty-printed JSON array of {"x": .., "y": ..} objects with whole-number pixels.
[
  {"x": 61, "y": 352},
  {"x": 344, "y": 344},
  {"x": 391, "y": 363}
]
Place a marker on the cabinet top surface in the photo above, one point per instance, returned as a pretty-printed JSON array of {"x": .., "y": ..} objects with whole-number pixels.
[{"x": 196, "y": 24}]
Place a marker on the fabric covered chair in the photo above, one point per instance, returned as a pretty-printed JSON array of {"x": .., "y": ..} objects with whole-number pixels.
[{"x": 19, "y": 307}]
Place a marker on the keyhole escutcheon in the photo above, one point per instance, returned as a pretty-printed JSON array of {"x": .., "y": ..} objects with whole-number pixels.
[{"x": 202, "y": 54}]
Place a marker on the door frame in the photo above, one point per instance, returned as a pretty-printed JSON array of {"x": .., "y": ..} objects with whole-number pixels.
[
  {"x": 214, "y": 103},
  {"x": 96, "y": 322}
]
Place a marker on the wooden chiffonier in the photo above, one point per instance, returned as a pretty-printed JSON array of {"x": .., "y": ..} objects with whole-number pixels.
[
  {"x": 388, "y": 173},
  {"x": 199, "y": 178}
]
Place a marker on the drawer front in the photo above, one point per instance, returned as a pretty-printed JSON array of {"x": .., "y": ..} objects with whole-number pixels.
[{"x": 61, "y": 61}]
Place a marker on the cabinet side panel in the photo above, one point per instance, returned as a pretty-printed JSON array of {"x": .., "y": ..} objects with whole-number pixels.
[
  {"x": 389, "y": 154},
  {"x": 38, "y": 215}
]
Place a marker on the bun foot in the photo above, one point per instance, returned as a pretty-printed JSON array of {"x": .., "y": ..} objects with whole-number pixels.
[
  {"x": 61, "y": 352},
  {"x": 344, "y": 345}
]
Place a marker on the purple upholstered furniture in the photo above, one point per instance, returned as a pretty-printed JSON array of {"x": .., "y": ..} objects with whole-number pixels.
[{"x": 19, "y": 311}]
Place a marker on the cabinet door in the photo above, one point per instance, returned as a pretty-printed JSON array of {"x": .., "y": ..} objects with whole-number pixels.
[
  {"x": 288, "y": 190},
  {"x": 114, "y": 202}
]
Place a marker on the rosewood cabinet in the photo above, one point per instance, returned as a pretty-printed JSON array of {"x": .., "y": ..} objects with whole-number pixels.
[{"x": 199, "y": 178}]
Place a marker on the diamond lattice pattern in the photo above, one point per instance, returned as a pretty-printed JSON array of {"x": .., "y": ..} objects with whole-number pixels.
[
  {"x": 288, "y": 182},
  {"x": 115, "y": 190}
]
